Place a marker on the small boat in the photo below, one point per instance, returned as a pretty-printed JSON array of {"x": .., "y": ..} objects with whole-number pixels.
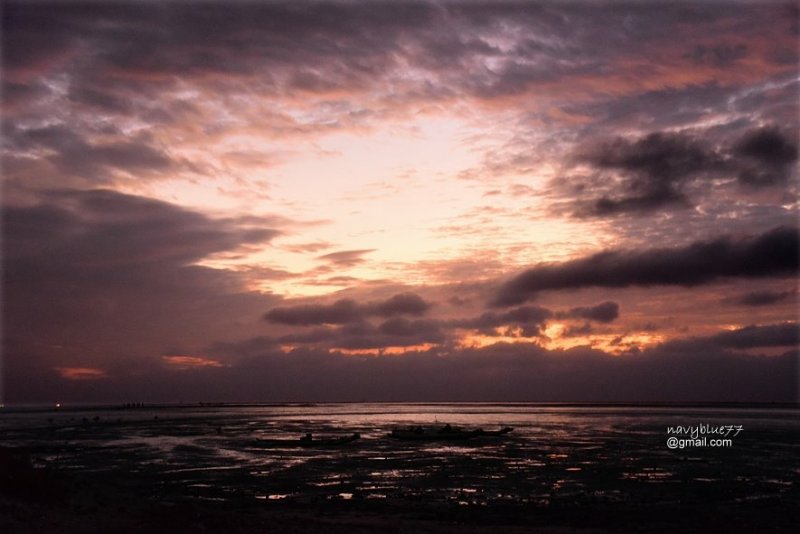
[{"x": 445, "y": 433}]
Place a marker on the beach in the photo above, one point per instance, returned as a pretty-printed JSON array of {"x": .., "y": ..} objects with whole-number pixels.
[{"x": 241, "y": 469}]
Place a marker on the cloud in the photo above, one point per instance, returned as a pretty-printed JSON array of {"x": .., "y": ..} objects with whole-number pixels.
[
  {"x": 71, "y": 154},
  {"x": 184, "y": 362},
  {"x": 650, "y": 172},
  {"x": 347, "y": 311},
  {"x": 96, "y": 278},
  {"x": 578, "y": 331},
  {"x": 768, "y": 156},
  {"x": 402, "y": 303},
  {"x": 99, "y": 229},
  {"x": 317, "y": 335},
  {"x": 345, "y": 258},
  {"x": 775, "y": 335},
  {"x": 362, "y": 335},
  {"x": 452, "y": 50},
  {"x": 340, "y": 312},
  {"x": 81, "y": 373},
  {"x": 772, "y": 254},
  {"x": 527, "y": 321},
  {"x": 301, "y": 248},
  {"x": 348, "y": 325},
  {"x": 769, "y": 146},
  {"x": 763, "y": 298},
  {"x": 394, "y": 332},
  {"x": 719, "y": 56},
  {"x": 521, "y": 372},
  {"x": 656, "y": 171},
  {"x": 605, "y": 312},
  {"x": 138, "y": 91}
]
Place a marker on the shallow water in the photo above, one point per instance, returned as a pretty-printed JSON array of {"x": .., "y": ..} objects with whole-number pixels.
[{"x": 556, "y": 455}]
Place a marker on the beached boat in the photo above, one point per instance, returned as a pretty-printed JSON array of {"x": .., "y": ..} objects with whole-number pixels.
[{"x": 444, "y": 433}]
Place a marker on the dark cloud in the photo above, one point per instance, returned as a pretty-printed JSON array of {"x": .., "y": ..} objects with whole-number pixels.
[
  {"x": 650, "y": 172},
  {"x": 501, "y": 372},
  {"x": 403, "y": 303},
  {"x": 774, "y": 253},
  {"x": 340, "y": 312},
  {"x": 764, "y": 298},
  {"x": 352, "y": 330},
  {"x": 768, "y": 156},
  {"x": 70, "y": 154},
  {"x": 350, "y": 45},
  {"x": 149, "y": 46},
  {"x": 394, "y": 332},
  {"x": 604, "y": 312},
  {"x": 317, "y": 335},
  {"x": 98, "y": 229},
  {"x": 769, "y": 146},
  {"x": 94, "y": 277},
  {"x": 583, "y": 330},
  {"x": 347, "y": 311},
  {"x": 527, "y": 321},
  {"x": 657, "y": 171},
  {"x": 776, "y": 335}
]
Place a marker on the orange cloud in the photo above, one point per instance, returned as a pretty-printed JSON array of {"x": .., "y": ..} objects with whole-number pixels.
[
  {"x": 80, "y": 373},
  {"x": 385, "y": 351},
  {"x": 190, "y": 362}
]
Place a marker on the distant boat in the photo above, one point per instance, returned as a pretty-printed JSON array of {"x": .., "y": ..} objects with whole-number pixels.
[
  {"x": 444, "y": 433},
  {"x": 309, "y": 441}
]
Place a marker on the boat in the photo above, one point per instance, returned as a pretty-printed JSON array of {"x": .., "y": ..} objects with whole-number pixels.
[{"x": 444, "y": 433}]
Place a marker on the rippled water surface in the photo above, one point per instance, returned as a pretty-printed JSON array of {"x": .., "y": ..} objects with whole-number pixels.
[{"x": 555, "y": 455}]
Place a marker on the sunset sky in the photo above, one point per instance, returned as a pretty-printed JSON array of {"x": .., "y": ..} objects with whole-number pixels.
[{"x": 369, "y": 200}]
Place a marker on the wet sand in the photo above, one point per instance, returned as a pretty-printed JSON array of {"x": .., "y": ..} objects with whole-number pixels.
[
  {"x": 228, "y": 471},
  {"x": 61, "y": 503}
]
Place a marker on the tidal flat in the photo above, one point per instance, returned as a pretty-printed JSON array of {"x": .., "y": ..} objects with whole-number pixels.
[{"x": 241, "y": 468}]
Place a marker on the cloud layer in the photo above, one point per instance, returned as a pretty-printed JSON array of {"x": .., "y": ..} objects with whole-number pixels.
[
  {"x": 346, "y": 200},
  {"x": 774, "y": 253}
]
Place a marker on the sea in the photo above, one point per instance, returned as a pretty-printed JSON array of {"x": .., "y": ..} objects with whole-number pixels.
[{"x": 564, "y": 456}]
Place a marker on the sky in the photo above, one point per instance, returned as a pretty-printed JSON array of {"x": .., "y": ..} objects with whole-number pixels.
[{"x": 400, "y": 201}]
